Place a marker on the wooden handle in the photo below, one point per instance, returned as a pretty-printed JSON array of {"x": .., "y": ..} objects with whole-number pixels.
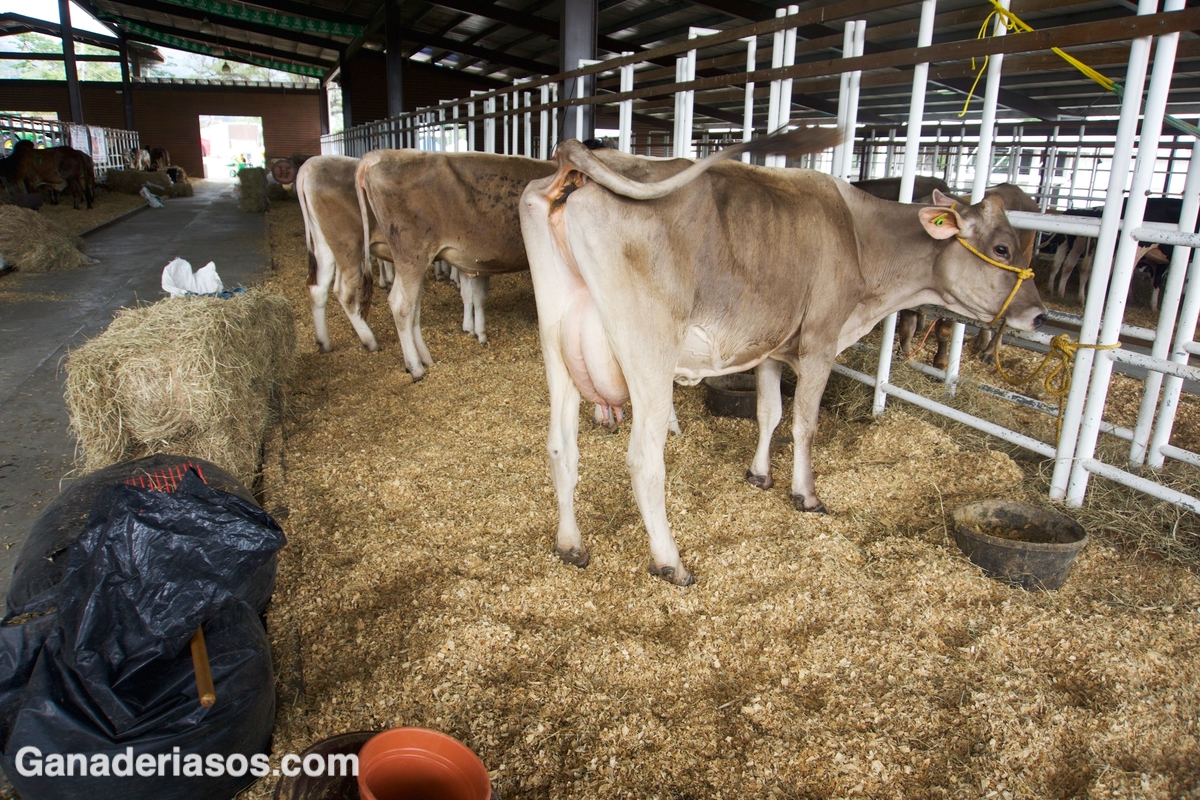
[{"x": 204, "y": 680}]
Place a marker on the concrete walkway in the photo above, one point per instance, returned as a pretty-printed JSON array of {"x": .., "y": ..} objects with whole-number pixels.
[{"x": 64, "y": 309}]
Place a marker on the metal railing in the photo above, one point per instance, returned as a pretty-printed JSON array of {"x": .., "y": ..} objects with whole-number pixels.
[
  {"x": 106, "y": 146},
  {"x": 1062, "y": 168}
]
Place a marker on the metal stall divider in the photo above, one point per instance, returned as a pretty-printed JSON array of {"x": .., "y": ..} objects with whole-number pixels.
[
  {"x": 916, "y": 117},
  {"x": 625, "y": 119},
  {"x": 1135, "y": 78},
  {"x": 748, "y": 108}
]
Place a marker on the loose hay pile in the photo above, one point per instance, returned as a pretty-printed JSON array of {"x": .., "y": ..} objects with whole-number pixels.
[
  {"x": 857, "y": 653},
  {"x": 131, "y": 181},
  {"x": 253, "y": 181},
  {"x": 277, "y": 192},
  {"x": 197, "y": 376},
  {"x": 33, "y": 244}
]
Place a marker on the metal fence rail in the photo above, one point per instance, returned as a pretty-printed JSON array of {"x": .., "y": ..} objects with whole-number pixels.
[
  {"x": 1063, "y": 167},
  {"x": 106, "y": 146}
]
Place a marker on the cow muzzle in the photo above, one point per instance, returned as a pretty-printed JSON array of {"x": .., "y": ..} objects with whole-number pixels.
[{"x": 1023, "y": 274}]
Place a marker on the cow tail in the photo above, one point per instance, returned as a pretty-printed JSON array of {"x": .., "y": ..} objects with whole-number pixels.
[
  {"x": 306, "y": 214},
  {"x": 792, "y": 144},
  {"x": 364, "y": 207}
]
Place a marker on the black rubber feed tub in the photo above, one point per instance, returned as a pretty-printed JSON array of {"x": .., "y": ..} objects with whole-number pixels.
[
  {"x": 1017, "y": 543},
  {"x": 736, "y": 395},
  {"x": 325, "y": 787}
]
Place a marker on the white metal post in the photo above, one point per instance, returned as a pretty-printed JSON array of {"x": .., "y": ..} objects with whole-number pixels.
[
  {"x": 529, "y": 125},
  {"x": 543, "y": 125},
  {"x": 504, "y": 130},
  {"x": 581, "y": 93},
  {"x": 1126, "y": 256},
  {"x": 783, "y": 109},
  {"x": 1131, "y": 106},
  {"x": 625, "y": 124},
  {"x": 471, "y": 124},
  {"x": 983, "y": 171},
  {"x": 489, "y": 126},
  {"x": 748, "y": 109},
  {"x": 776, "y": 85},
  {"x": 1189, "y": 314},
  {"x": 1168, "y": 304},
  {"x": 860, "y": 34},
  {"x": 553, "y": 118},
  {"x": 916, "y": 116},
  {"x": 843, "y": 100}
]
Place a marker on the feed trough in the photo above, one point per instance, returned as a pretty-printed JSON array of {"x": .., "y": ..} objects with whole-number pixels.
[{"x": 1020, "y": 544}]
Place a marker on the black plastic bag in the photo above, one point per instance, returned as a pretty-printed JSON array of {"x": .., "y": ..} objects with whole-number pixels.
[
  {"x": 42, "y": 560},
  {"x": 107, "y": 669}
]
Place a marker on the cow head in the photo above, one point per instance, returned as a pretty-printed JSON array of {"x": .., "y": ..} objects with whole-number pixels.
[{"x": 983, "y": 271}]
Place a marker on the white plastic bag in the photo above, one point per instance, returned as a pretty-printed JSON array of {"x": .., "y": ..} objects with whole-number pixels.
[
  {"x": 178, "y": 280},
  {"x": 154, "y": 200}
]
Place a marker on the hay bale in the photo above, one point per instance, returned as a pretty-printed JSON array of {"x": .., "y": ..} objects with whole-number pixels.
[
  {"x": 197, "y": 376},
  {"x": 33, "y": 244},
  {"x": 254, "y": 189},
  {"x": 131, "y": 181},
  {"x": 277, "y": 192}
]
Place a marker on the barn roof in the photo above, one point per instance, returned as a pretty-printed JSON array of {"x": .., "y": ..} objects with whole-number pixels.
[{"x": 517, "y": 38}]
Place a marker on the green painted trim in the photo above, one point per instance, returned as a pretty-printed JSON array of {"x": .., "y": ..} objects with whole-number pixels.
[
  {"x": 270, "y": 18},
  {"x": 195, "y": 47}
]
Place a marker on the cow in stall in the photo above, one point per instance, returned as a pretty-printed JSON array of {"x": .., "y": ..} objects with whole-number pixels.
[
  {"x": 77, "y": 170},
  {"x": 137, "y": 159},
  {"x": 647, "y": 271},
  {"x": 1071, "y": 251},
  {"x": 333, "y": 227},
  {"x": 457, "y": 207},
  {"x": 909, "y": 322},
  {"x": 160, "y": 159}
]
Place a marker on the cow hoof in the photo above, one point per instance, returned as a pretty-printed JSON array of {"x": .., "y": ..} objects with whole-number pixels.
[
  {"x": 761, "y": 481},
  {"x": 576, "y": 556},
  {"x": 669, "y": 574},
  {"x": 371, "y": 348},
  {"x": 987, "y": 358},
  {"x": 819, "y": 508},
  {"x": 324, "y": 348}
]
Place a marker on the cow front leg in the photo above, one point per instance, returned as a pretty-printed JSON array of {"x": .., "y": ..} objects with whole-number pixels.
[
  {"x": 483, "y": 283},
  {"x": 769, "y": 408},
  {"x": 562, "y": 445},
  {"x": 943, "y": 331},
  {"x": 811, "y": 374},
  {"x": 907, "y": 325}
]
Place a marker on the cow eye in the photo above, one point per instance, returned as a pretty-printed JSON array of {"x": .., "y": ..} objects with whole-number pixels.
[{"x": 1002, "y": 250}]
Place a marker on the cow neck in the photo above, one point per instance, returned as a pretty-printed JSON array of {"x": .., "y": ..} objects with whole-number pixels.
[{"x": 899, "y": 259}]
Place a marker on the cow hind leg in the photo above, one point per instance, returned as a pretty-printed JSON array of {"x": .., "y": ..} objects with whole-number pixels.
[
  {"x": 356, "y": 301},
  {"x": 404, "y": 301},
  {"x": 651, "y": 398},
  {"x": 318, "y": 296},
  {"x": 562, "y": 445},
  {"x": 769, "y": 408},
  {"x": 812, "y": 371}
]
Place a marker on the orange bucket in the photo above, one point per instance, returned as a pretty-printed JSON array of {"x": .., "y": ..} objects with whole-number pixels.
[{"x": 420, "y": 764}]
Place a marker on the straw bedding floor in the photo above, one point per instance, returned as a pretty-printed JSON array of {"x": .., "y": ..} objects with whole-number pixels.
[
  {"x": 856, "y": 653},
  {"x": 108, "y": 205}
]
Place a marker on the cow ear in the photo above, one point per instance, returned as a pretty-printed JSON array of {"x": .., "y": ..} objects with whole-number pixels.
[
  {"x": 940, "y": 223},
  {"x": 945, "y": 201}
]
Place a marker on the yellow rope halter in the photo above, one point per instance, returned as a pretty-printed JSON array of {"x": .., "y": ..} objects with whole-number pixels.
[
  {"x": 1023, "y": 273},
  {"x": 1064, "y": 348}
]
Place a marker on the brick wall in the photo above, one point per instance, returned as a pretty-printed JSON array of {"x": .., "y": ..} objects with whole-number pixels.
[{"x": 169, "y": 115}]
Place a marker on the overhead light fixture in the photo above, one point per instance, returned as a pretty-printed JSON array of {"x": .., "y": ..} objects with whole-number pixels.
[
  {"x": 207, "y": 27},
  {"x": 226, "y": 69}
]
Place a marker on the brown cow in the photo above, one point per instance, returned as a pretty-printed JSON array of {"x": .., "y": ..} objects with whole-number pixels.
[
  {"x": 76, "y": 169},
  {"x": 33, "y": 169},
  {"x": 458, "y": 207},
  {"x": 646, "y": 271},
  {"x": 334, "y": 234},
  {"x": 159, "y": 158}
]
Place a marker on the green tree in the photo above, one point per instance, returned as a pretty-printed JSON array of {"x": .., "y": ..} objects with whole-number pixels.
[{"x": 40, "y": 69}]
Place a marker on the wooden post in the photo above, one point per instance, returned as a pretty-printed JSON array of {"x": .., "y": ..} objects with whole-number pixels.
[{"x": 67, "y": 35}]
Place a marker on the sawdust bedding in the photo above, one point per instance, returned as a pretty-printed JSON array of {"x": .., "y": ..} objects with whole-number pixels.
[{"x": 817, "y": 656}]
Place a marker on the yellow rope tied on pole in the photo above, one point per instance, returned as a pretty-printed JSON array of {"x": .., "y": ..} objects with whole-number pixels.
[
  {"x": 1015, "y": 24},
  {"x": 1023, "y": 274},
  {"x": 1063, "y": 348}
]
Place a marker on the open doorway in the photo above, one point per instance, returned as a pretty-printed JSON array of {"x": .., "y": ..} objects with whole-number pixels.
[{"x": 229, "y": 144}]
